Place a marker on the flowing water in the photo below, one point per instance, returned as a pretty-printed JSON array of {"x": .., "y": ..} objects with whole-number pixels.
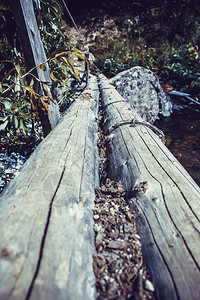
[{"x": 182, "y": 133}]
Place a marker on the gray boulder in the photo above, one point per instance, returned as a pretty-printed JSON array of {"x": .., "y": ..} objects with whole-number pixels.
[{"x": 142, "y": 89}]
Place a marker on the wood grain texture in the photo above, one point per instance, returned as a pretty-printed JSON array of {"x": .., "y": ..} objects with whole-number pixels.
[
  {"x": 165, "y": 197},
  {"x": 34, "y": 53},
  {"x": 46, "y": 218}
]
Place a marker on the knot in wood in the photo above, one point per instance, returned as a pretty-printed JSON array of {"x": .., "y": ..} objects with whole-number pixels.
[
  {"x": 85, "y": 97},
  {"x": 141, "y": 187}
]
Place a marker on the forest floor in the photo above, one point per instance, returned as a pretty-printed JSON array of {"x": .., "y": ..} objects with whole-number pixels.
[{"x": 118, "y": 261}]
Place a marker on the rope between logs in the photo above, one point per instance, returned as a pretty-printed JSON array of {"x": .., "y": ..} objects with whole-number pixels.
[{"x": 133, "y": 123}]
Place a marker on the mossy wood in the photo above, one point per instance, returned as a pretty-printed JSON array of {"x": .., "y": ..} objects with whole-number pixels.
[
  {"x": 46, "y": 217},
  {"x": 165, "y": 197},
  {"x": 34, "y": 54}
]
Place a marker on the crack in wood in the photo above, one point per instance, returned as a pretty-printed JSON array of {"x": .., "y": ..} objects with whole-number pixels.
[
  {"x": 171, "y": 180},
  {"x": 105, "y": 107},
  {"x": 82, "y": 169},
  {"x": 159, "y": 250},
  {"x": 168, "y": 211},
  {"x": 44, "y": 238},
  {"x": 22, "y": 267},
  {"x": 189, "y": 179}
]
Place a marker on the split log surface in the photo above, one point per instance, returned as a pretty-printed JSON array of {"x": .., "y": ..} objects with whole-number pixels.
[
  {"x": 34, "y": 54},
  {"x": 165, "y": 197},
  {"x": 46, "y": 218}
]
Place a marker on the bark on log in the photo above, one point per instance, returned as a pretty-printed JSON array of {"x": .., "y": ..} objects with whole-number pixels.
[
  {"x": 34, "y": 53},
  {"x": 165, "y": 197},
  {"x": 46, "y": 218}
]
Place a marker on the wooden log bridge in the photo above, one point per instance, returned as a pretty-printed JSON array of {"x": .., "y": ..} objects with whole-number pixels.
[
  {"x": 46, "y": 218},
  {"x": 165, "y": 198}
]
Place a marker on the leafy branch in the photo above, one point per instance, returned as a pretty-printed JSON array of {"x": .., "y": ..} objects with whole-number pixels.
[{"x": 20, "y": 84}]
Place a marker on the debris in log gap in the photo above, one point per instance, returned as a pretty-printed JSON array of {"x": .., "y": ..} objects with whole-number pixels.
[{"x": 118, "y": 262}]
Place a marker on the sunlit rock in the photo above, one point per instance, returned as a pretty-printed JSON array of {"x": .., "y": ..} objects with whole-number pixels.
[{"x": 142, "y": 89}]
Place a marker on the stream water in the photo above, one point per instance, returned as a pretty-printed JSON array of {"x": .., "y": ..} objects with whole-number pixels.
[{"x": 182, "y": 133}]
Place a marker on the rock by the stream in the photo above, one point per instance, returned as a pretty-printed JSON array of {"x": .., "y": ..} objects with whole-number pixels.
[{"x": 142, "y": 89}]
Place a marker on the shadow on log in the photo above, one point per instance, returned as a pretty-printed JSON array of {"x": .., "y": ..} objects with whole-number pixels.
[
  {"x": 165, "y": 197},
  {"x": 46, "y": 218}
]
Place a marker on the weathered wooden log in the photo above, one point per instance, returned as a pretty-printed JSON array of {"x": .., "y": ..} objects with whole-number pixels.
[
  {"x": 165, "y": 197},
  {"x": 46, "y": 218},
  {"x": 34, "y": 54}
]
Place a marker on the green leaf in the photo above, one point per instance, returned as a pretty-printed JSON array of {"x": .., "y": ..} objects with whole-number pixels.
[
  {"x": 3, "y": 119},
  {"x": 7, "y": 104},
  {"x": 54, "y": 27},
  {"x": 4, "y": 125},
  {"x": 16, "y": 123},
  {"x": 8, "y": 73},
  {"x": 22, "y": 126}
]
